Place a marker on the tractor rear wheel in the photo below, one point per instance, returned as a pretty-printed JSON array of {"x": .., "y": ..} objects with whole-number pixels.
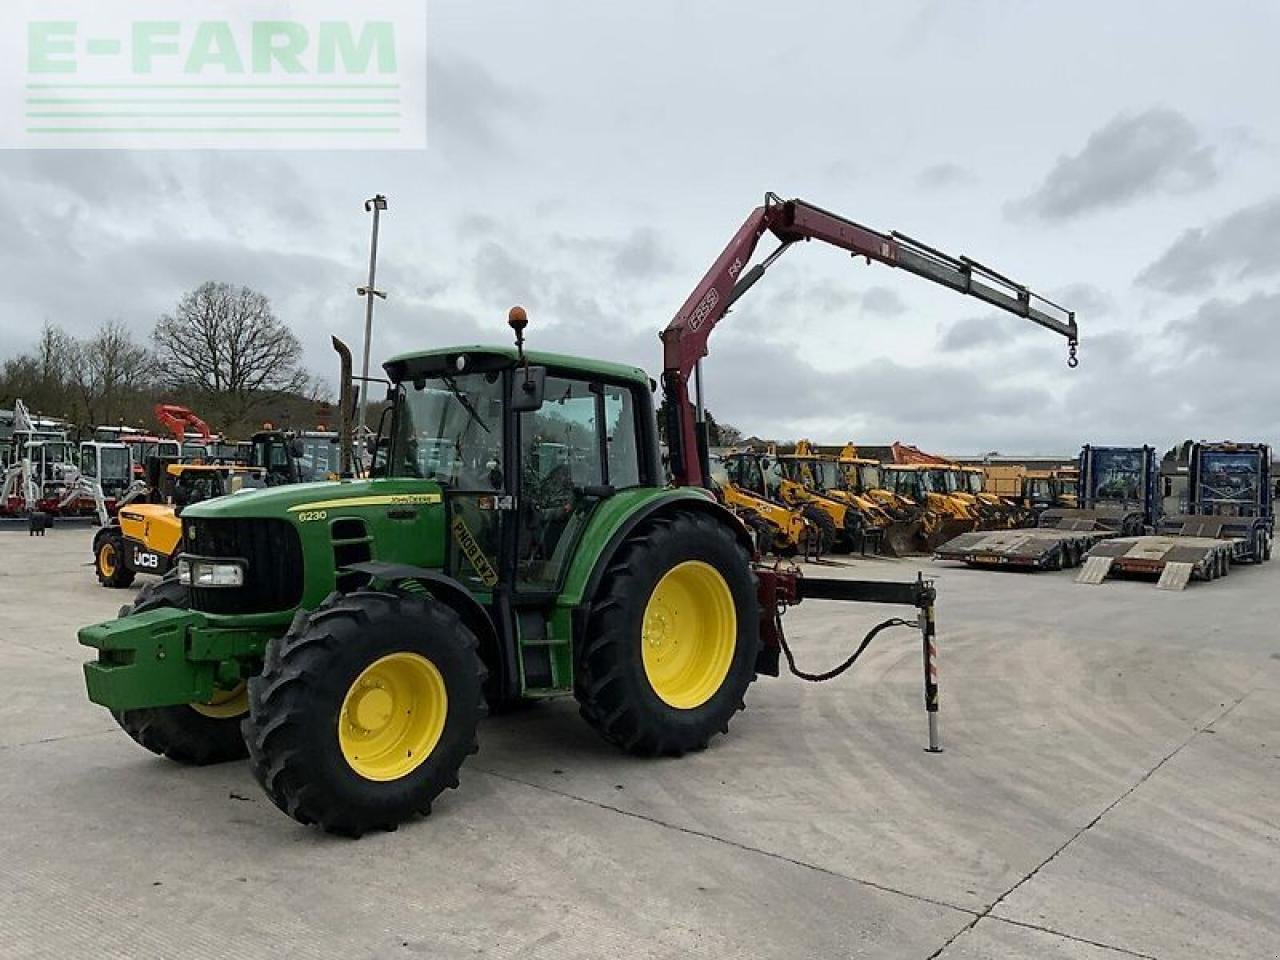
[
  {"x": 108, "y": 559},
  {"x": 672, "y": 638},
  {"x": 196, "y": 734},
  {"x": 824, "y": 526},
  {"x": 365, "y": 711}
]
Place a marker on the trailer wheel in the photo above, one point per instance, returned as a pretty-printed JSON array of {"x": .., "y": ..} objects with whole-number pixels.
[
  {"x": 108, "y": 559},
  {"x": 195, "y": 734},
  {"x": 365, "y": 711},
  {"x": 672, "y": 638}
]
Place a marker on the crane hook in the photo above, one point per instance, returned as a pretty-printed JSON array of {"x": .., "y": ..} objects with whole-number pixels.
[{"x": 1072, "y": 361}]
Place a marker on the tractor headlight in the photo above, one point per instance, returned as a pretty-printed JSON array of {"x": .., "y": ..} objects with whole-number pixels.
[{"x": 193, "y": 572}]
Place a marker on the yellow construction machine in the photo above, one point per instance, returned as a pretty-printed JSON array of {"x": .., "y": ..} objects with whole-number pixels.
[
  {"x": 835, "y": 526},
  {"x": 998, "y": 512},
  {"x": 932, "y": 485},
  {"x": 784, "y": 531},
  {"x": 907, "y": 518},
  {"x": 146, "y": 535},
  {"x": 825, "y": 475}
]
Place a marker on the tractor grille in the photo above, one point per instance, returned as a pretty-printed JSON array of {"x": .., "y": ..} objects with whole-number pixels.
[{"x": 273, "y": 580}]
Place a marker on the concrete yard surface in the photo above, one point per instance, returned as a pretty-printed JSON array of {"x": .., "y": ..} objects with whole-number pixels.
[{"x": 1110, "y": 788}]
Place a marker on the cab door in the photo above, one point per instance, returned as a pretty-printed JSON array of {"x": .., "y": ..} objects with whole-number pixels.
[{"x": 562, "y": 478}]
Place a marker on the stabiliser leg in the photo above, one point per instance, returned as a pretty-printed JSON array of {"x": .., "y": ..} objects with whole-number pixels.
[
  {"x": 919, "y": 593},
  {"x": 930, "y": 675}
]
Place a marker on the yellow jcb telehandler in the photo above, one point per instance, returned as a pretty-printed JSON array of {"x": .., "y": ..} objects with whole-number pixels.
[{"x": 145, "y": 536}]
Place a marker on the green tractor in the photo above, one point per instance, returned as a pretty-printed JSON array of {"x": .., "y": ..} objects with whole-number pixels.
[
  {"x": 550, "y": 559},
  {"x": 518, "y": 539}
]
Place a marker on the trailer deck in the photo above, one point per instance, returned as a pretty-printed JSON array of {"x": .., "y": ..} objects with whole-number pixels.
[
  {"x": 1186, "y": 548},
  {"x": 1176, "y": 560},
  {"x": 1060, "y": 542},
  {"x": 1030, "y": 548}
]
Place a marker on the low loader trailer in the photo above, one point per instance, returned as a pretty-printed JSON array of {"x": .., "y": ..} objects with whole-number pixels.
[
  {"x": 1230, "y": 521},
  {"x": 1121, "y": 496}
]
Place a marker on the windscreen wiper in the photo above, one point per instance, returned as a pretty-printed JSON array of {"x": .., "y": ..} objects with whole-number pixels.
[{"x": 466, "y": 404}]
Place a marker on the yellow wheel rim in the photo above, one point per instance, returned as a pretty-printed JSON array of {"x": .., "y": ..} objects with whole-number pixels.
[
  {"x": 226, "y": 704},
  {"x": 393, "y": 716},
  {"x": 689, "y": 634},
  {"x": 107, "y": 559}
]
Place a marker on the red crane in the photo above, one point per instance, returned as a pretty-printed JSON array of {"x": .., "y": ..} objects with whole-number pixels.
[{"x": 685, "y": 338}]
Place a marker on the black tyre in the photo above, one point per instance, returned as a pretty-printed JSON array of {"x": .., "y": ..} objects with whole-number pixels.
[
  {"x": 108, "y": 559},
  {"x": 365, "y": 711},
  {"x": 672, "y": 638},
  {"x": 194, "y": 734},
  {"x": 824, "y": 526}
]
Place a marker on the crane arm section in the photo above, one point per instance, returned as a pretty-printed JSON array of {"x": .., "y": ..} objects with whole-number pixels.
[{"x": 685, "y": 338}]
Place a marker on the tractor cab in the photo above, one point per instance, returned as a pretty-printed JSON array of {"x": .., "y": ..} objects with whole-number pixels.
[
  {"x": 523, "y": 454},
  {"x": 278, "y": 454}
]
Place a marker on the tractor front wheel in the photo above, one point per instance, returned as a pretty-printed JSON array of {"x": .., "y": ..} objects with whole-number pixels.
[
  {"x": 672, "y": 640},
  {"x": 196, "y": 734},
  {"x": 108, "y": 559},
  {"x": 365, "y": 711}
]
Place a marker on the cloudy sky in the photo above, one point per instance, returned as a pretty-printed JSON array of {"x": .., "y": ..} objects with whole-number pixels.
[{"x": 589, "y": 160}]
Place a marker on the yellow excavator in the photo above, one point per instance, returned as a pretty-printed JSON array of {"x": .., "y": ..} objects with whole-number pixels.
[
  {"x": 835, "y": 526},
  {"x": 907, "y": 518},
  {"x": 997, "y": 512},
  {"x": 783, "y": 531},
  {"x": 931, "y": 485},
  {"x": 824, "y": 475}
]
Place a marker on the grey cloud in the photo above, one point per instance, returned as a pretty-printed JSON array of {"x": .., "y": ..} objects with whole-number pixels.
[
  {"x": 1241, "y": 245},
  {"x": 477, "y": 225},
  {"x": 972, "y": 333},
  {"x": 1084, "y": 299},
  {"x": 501, "y": 277},
  {"x": 106, "y": 179},
  {"x": 1132, "y": 155},
  {"x": 1238, "y": 332},
  {"x": 942, "y": 175},
  {"x": 641, "y": 256},
  {"x": 883, "y": 301},
  {"x": 469, "y": 106}
]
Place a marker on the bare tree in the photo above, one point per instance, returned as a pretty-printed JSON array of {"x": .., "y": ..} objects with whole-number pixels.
[
  {"x": 224, "y": 344},
  {"x": 111, "y": 370}
]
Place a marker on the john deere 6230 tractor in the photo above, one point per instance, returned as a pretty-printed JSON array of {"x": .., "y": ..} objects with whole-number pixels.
[{"x": 519, "y": 540}]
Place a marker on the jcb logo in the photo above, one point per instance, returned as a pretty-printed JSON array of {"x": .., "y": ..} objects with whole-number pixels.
[{"x": 148, "y": 560}]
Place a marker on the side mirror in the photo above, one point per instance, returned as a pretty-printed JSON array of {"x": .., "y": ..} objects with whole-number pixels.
[
  {"x": 528, "y": 389},
  {"x": 765, "y": 463}
]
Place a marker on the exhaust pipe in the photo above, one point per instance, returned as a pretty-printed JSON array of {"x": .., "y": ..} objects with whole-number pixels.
[{"x": 346, "y": 452}]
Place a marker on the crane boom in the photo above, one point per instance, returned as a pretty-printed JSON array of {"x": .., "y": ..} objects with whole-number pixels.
[{"x": 685, "y": 338}]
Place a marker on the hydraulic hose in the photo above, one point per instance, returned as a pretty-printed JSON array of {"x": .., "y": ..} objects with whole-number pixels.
[{"x": 836, "y": 671}]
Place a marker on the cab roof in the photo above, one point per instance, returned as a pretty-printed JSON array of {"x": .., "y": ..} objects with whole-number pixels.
[{"x": 481, "y": 357}]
